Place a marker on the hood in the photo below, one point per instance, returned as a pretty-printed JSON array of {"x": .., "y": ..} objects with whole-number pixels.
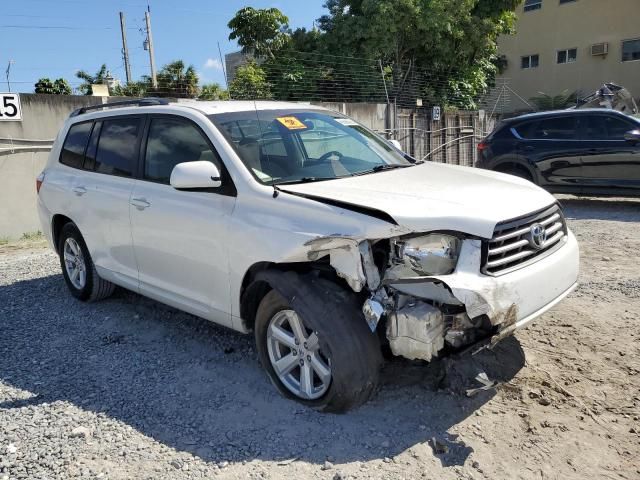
[{"x": 435, "y": 196}]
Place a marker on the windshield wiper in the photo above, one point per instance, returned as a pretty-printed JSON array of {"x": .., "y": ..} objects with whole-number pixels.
[
  {"x": 304, "y": 180},
  {"x": 380, "y": 168}
]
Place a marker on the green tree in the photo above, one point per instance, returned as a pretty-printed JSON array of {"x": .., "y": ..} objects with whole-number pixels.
[
  {"x": 259, "y": 31},
  {"x": 250, "y": 82},
  {"x": 213, "y": 91},
  {"x": 555, "y": 102},
  {"x": 444, "y": 50},
  {"x": 132, "y": 89},
  {"x": 57, "y": 87},
  {"x": 99, "y": 77},
  {"x": 176, "y": 80}
]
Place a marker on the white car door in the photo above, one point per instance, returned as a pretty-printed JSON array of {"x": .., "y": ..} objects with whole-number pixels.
[
  {"x": 180, "y": 237},
  {"x": 105, "y": 187}
]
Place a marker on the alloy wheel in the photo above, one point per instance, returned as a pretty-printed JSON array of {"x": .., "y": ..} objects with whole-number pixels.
[{"x": 296, "y": 356}]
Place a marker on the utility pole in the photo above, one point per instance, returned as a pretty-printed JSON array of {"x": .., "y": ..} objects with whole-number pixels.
[
  {"x": 152, "y": 60},
  {"x": 8, "y": 72},
  {"x": 125, "y": 49}
]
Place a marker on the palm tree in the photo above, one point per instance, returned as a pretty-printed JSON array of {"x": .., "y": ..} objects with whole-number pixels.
[
  {"x": 174, "y": 80},
  {"x": 89, "y": 80},
  {"x": 555, "y": 102}
]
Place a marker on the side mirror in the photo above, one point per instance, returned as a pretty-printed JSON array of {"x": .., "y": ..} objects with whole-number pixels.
[
  {"x": 633, "y": 136},
  {"x": 195, "y": 175},
  {"x": 396, "y": 144}
]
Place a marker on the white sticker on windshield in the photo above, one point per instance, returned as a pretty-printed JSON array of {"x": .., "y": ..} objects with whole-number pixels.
[{"x": 346, "y": 121}]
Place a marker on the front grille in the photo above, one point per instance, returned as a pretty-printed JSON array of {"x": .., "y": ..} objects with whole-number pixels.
[{"x": 511, "y": 246}]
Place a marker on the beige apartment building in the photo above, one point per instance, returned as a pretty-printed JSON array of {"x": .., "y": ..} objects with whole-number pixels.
[{"x": 573, "y": 45}]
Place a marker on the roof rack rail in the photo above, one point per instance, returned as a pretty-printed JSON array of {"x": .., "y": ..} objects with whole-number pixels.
[{"x": 141, "y": 102}]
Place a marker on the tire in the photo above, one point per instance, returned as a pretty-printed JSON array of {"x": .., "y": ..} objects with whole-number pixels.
[
  {"x": 342, "y": 339},
  {"x": 87, "y": 286},
  {"x": 520, "y": 172}
]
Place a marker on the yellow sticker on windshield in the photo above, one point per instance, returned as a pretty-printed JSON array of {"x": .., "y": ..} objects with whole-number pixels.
[{"x": 292, "y": 123}]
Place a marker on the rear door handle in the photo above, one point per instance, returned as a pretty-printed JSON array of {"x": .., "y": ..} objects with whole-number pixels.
[
  {"x": 529, "y": 148},
  {"x": 140, "y": 203},
  {"x": 79, "y": 191}
]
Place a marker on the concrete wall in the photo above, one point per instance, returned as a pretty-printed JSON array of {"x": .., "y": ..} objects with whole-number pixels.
[
  {"x": 578, "y": 24},
  {"x": 42, "y": 117}
]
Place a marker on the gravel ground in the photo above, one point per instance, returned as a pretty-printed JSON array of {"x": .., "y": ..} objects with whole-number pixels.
[{"x": 129, "y": 388}]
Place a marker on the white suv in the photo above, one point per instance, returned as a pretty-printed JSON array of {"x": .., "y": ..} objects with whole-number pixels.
[{"x": 300, "y": 225}]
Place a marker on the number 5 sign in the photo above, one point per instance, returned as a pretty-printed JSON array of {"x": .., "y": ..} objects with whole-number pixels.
[{"x": 10, "y": 110}]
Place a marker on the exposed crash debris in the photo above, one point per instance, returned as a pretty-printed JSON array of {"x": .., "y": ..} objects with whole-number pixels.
[{"x": 486, "y": 385}]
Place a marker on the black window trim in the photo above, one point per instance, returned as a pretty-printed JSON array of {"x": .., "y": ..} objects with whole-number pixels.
[
  {"x": 228, "y": 188},
  {"x": 84, "y": 152}
]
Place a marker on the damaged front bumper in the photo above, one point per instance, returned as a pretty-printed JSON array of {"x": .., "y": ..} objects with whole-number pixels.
[{"x": 428, "y": 312}]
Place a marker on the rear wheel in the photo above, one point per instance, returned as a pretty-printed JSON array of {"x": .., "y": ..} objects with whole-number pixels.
[
  {"x": 78, "y": 269},
  {"x": 316, "y": 347}
]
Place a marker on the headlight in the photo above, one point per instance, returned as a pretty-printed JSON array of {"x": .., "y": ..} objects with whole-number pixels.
[{"x": 433, "y": 254}]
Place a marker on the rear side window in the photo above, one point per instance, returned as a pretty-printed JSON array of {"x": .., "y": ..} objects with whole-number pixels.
[
  {"x": 117, "y": 151},
  {"x": 559, "y": 128},
  {"x": 173, "y": 141},
  {"x": 75, "y": 144},
  {"x": 606, "y": 127}
]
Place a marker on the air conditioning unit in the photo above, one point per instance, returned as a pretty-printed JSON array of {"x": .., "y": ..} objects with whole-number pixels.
[{"x": 598, "y": 49}]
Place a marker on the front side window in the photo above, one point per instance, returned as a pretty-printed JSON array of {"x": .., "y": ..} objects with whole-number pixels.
[
  {"x": 117, "y": 151},
  {"x": 530, "y": 61},
  {"x": 567, "y": 56},
  {"x": 604, "y": 127},
  {"x": 631, "y": 50},
  {"x": 532, "y": 5},
  {"x": 172, "y": 141},
  {"x": 289, "y": 146},
  {"x": 75, "y": 144}
]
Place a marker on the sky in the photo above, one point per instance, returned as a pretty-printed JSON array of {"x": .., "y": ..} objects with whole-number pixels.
[{"x": 56, "y": 38}]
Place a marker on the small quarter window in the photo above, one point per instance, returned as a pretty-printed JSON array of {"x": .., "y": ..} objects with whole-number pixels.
[
  {"x": 75, "y": 144},
  {"x": 117, "y": 151}
]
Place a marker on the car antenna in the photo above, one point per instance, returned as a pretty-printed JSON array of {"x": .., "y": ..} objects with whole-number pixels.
[{"x": 276, "y": 189}]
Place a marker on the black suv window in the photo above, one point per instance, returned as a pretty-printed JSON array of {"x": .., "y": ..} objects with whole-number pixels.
[
  {"x": 75, "y": 144},
  {"x": 560, "y": 128},
  {"x": 172, "y": 141},
  {"x": 606, "y": 127},
  {"x": 117, "y": 151}
]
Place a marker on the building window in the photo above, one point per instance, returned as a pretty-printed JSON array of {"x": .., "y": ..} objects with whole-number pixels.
[
  {"x": 532, "y": 5},
  {"x": 631, "y": 50},
  {"x": 567, "y": 56},
  {"x": 567, "y": 1},
  {"x": 530, "y": 61}
]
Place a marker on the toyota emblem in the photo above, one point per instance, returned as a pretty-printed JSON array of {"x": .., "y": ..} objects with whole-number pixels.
[{"x": 537, "y": 236}]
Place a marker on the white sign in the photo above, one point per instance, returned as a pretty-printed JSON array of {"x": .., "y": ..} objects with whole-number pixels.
[
  {"x": 10, "y": 110},
  {"x": 435, "y": 114}
]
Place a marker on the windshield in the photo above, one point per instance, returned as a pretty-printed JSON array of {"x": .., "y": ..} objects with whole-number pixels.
[{"x": 292, "y": 146}]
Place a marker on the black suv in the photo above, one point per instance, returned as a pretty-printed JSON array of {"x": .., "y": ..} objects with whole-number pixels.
[{"x": 591, "y": 151}]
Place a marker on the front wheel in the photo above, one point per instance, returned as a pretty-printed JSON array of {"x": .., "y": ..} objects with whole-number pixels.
[{"x": 315, "y": 345}]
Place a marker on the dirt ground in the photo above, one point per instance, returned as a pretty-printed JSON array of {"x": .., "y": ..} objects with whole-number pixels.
[{"x": 128, "y": 388}]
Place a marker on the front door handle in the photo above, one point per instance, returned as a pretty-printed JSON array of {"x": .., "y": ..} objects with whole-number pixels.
[
  {"x": 79, "y": 191},
  {"x": 140, "y": 203}
]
